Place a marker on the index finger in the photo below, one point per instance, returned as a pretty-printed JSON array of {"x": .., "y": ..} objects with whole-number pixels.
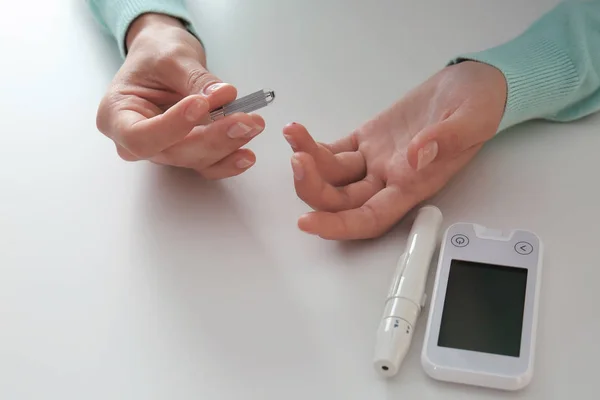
[{"x": 376, "y": 216}]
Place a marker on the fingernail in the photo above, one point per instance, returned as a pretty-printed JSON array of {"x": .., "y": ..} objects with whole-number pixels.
[
  {"x": 195, "y": 110},
  {"x": 238, "y": 130},
  {"x": 214, "y": 87},
  {"x": 297, "y": 168},
  {"x": 303, "y": 227},
  {"x": 255, "y": 131},
  {"x": 243, "y": 163},
  {"x": 427, "y": 154},
  {"x": 290, "y": 142}
]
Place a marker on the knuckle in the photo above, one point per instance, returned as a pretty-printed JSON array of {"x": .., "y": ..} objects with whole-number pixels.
[
  {"x": 168, "y": 57},
  {"x": 106, "y": 114},
  {"x": 134, "y": 145},
  {"x": 103, "y": 115},
  {"x": 454, "y": 142},
  {"x": 202, "y": 173},
  {"x": 201, "y": 162},
  {"x": 306, "y": 196},
  {"x": 310, "y": 201},
  {"x": 373, "y": 223},
  {"x": 125, "y": 155},
  {"x": 198, "y": 78},
  {"x": 211, "y": 174},
  {"x": 354, "y": 138},
  {"x": 200, "y": 165},
  {"x": 173, "y": 158},
  {"x": 215, "y": 144},
  {"x": 100, "y": 119}
]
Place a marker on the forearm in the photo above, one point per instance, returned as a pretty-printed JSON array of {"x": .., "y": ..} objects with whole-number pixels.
[
  {"x": 553, "y": 68},
  {"x": 117, "y": 16}
]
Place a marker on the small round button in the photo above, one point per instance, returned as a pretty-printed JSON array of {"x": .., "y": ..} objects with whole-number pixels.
[
  {"x": 460, "y": 240},
  {"x": 523, "y": 248}
]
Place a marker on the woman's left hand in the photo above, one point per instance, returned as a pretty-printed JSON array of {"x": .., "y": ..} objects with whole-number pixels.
[{"x": 363, "y": 184}]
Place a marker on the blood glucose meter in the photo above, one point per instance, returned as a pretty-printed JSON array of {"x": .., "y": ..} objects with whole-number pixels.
[{"x": 482, "y": 320}]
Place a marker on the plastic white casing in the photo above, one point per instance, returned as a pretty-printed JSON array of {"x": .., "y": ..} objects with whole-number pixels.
[
  {"x": 518, "y": 248},
  {"x": 407, "y": 292}
]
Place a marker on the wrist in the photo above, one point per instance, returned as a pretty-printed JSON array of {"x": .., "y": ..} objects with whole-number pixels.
[
  {"x": 148, "y": 22},
  {"x": 539, "y": 77}
]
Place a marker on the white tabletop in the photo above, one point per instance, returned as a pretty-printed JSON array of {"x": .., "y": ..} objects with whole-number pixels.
[{"x": 131, "y": 281}]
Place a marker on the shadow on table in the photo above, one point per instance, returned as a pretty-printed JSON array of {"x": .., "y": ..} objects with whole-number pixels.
[
  {"x": 226, "y": 299},
  {"x": 98, "y": 38}
]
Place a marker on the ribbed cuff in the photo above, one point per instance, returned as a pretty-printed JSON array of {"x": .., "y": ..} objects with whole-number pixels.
[
  {"x": 119, "y": 14},
  {"x": 540, "y": 77}
]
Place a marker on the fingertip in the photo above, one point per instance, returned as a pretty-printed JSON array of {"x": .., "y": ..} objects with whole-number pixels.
[
  {"x": 301, "y": 156},
  {"x": 423, "y": 148},
  {"x": 290, "y": 125},
  {"x": 293, "y": 128},
  {"x": 291, "y": 142},
  {"x": 412, "y": 151},
  {"x": 199, "y": 99},
  {"x": 219, "y": 93},
  {"x": 248, "y": 154},
  {"x": 234, "y": 164},
  {"x": 218, "y": 88},
  {"x": 124, "y": 154},
  {"x": 253, "y": 121},
  {"x": 313, "y": 224},
  {"x": 297, "y": 167},
  {"x": 299, "y": 138},
  {"x": 442, "y": 141},
  {"x": 290, "y": 131},
  {"x": 258, "y": 120},
  {"x": 245, "y": 163},
  {"x": 196, "y": 107},
  {"x": 307, "y": 181},
  {"x": 306, "y": 223},
  {"x": 304, "y": 161}
]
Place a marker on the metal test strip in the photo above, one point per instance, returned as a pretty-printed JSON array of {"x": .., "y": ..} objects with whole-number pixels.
[{"x": 246, "y": 104}]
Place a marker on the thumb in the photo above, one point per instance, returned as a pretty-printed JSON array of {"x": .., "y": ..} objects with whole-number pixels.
[
  {"x": 145, "y": 137},
  {"x": 196, "y": 79},
  {"x": 443, "y": 140}
]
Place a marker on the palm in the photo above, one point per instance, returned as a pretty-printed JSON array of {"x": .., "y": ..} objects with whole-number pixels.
[
  {"x": 146, "y": 88},
  {"x": 158, "y": 106},
  {"x": 383, "y": 142}
]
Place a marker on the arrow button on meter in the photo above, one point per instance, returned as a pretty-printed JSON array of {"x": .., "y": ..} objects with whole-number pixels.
[{"x": 523, "y": 248}]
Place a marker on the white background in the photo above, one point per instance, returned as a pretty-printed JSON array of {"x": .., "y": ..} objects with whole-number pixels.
[{"x": 131, "y": 281}]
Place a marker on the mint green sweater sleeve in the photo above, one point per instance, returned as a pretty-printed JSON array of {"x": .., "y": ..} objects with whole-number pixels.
[
  {"x": 115, "y": 16},
  {"x": 552, "y": 68}
]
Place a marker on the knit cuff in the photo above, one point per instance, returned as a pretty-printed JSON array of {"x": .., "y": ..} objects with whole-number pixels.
[
  {"x": 540, "y": 76},
  {"x": 119, "y": 14}
]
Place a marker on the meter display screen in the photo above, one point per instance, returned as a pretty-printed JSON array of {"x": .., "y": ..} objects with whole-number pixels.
[{"x": 483, "y": 308}]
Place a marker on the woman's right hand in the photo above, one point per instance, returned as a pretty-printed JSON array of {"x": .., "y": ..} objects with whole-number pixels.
[{"x": 157, "y": 106}]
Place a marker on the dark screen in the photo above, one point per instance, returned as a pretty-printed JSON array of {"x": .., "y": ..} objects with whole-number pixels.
[{"x": 483, "y": 308}]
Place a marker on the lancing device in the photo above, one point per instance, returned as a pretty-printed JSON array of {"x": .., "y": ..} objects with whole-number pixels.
[
  {"x": 246, "y": 104},
  {"x": 407, "y": 293}
]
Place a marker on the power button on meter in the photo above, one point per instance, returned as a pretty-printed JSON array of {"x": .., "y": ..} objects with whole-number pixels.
[{"x": 460, "y": 240}]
